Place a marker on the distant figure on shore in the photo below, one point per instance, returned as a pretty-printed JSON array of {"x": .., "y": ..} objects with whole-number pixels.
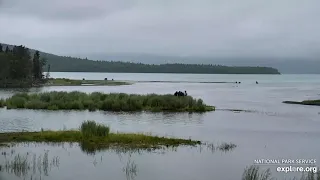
[
  {"x": 257, "y": 82},
  {"x": 83, "y": 79},
  {"x": 112, "y": 79},
  {"x": 239, "y": 82},
  {"x": 179, "y": 93},
  {"x": 105, "y": 79},
  {"x": 236, "y": 82}
]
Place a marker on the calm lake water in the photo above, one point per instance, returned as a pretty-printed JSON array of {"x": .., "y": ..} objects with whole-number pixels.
[{"x": 271, "y": 130}]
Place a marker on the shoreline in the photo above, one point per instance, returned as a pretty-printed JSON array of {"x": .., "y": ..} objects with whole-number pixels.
[
  {"x": 83, "y": 82},
  {"x": 134, "y": 140},
  {"x": 209, "y": 82}
]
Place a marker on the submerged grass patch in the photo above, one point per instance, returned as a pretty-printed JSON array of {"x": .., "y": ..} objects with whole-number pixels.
[
  {"x": 96, "y": 135},
  {"x": 127, "y": 139},
  {"x": 226, "y": 146},
  {"x": 75, "y": 82},
  {"x": 254, "y": 172},
  {"x": 306, "y": 102},
  {"x": 107, "y": 102}
]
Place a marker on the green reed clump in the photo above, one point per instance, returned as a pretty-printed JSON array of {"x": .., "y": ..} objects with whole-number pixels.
[
  {"x": 92, "y": 129},
  {"x": 226, "y": 146},
  {"x": 2, "y": 103},
  {"x": 253, "y": 173},
  {"x": 107, "y": 102}
]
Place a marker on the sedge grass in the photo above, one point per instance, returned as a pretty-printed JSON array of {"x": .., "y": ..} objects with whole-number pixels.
[
  {"x": 96, "y": 135},
  {"x": 107, "y": 102}
]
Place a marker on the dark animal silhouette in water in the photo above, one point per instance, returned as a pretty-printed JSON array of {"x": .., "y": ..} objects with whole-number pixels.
[
  {"x": 239, "y": 82},
  {"x": 257, "y": 82},
  {"x": 105, "y": 79},
  {"x": 179, "y": 93}
]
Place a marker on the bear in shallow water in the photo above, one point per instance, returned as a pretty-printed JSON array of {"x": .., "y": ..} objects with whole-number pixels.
[
  {"x": 176, "y": 93},
  {"x": 179, "y": 93}
]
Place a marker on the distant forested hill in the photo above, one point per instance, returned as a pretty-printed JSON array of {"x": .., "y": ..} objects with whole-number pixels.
[{"x": 71, "y": 64}]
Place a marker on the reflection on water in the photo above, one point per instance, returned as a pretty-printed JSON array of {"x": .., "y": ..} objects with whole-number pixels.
[
  {"x": 31, "y": 161},
  {"x": 28, "y": 165},
  {"x": 51, "y": 160},
  {"x": 34, "y": 120},
  {"x": 130, "y": 169}
]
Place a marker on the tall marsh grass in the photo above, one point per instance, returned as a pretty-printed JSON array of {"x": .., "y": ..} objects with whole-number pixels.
[
  {"x": 92, "y": 129},
  {"x": 107, "y": 102},
  {"x": 2, "y": 103},
  {"x": 254, "y": 172}
]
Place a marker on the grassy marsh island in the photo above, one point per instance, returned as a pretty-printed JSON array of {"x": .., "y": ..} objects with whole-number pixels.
[
  {"x": 306, "y": 102},
  {"x": 106, "y": 102},
  {"x": 75, "y": 82},
  {"x": 96, "y": 135}
]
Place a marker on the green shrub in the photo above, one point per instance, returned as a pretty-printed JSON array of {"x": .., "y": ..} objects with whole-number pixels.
[
  {"x": 53, "y": 107},
  {"x": 107, "y": 102},
  {"x": 16, "y": 102},
  {"x": 45, "y": 98},
  {"x": 93, "y": 129},
  {"x": 116, "y": 106},
  {"x": 2, "y": 103},
  {"x": 36, "y": 104}
]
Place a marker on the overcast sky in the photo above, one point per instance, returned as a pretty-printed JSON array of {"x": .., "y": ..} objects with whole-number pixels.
[{"x": 280, "y": 28}]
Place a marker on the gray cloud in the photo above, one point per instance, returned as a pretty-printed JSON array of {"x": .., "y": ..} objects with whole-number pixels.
[
  {"x": 63, "y": 10},
  {"x": 277, "y": 28}
]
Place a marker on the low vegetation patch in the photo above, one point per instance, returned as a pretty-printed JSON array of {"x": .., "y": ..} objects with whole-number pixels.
[
  {"x": 306, "y": 102},
  {"x": 254, "y": 172},
  {"x": 75, "y": 82},
  {"x": 95, "y": 135},
  {"x": 107, "y": 102},
  {"x": 227, "y": 146},
  {"x": 2, "y": 103},
  {"x": 91, "y": 129}
]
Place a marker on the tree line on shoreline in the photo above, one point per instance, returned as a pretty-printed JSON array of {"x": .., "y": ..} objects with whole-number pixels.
[
  {"x": 71, "y": 64},
  {"x": 20, "y": 68},
  {"x": 23, "y": 67}
]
